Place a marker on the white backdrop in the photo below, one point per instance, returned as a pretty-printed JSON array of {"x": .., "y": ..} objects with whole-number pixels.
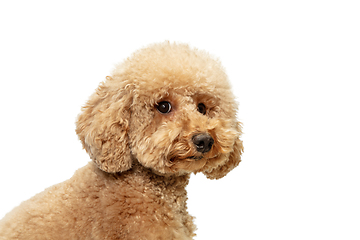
[{"x": 295, "y": 69}]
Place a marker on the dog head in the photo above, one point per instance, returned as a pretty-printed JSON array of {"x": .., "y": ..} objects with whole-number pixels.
[{"x": 170, "y": 108}]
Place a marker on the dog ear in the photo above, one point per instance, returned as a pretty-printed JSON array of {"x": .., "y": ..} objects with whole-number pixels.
[
  {"x": 233, "y": 160},
  {"x": 103, "y": 126}
]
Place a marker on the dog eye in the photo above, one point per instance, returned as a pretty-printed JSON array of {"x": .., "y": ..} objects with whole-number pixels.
[
  {"x": 164, "y": 107},
  {"x": 201, "y": 108}
]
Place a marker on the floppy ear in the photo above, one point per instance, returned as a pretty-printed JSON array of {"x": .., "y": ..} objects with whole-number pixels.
[
  {"x": 233, "y": 160},
  {"x": 103, "y": 126}
]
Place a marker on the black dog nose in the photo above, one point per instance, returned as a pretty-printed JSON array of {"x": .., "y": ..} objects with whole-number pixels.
[{"x": 203, "y": 142}]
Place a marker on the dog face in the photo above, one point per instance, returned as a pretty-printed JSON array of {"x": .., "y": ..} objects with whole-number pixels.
[{"x": 169, "y": 107}]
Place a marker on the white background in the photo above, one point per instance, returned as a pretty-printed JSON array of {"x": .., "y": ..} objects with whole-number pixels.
[{"x": 294, "y": 67}]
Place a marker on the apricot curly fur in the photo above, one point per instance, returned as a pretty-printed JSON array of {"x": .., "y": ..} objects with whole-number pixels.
[{"x": 142, "y": 159}]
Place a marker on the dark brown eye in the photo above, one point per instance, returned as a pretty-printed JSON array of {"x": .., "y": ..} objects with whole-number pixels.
[
  {"x": 201, "y": 108},
  {"x": 164, "y": 107}
]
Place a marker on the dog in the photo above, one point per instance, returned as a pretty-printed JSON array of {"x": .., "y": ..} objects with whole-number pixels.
[{"x": 164, "y": 113}]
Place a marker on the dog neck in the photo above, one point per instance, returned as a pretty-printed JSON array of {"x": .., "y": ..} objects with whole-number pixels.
[
  {"x": 150, "y": 197},
  {"x": 148, "y": 183},
  {"x": 164, "y": 196},
  {"x": 165, "y": 182}
]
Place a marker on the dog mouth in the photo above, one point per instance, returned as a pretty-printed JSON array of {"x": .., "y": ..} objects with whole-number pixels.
[{"x": 196, "y": 158}]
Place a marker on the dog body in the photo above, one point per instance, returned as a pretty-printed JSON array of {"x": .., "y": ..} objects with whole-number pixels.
[
  {"x": 164, "y": 113},
  {"x": 93, "y": 204}
]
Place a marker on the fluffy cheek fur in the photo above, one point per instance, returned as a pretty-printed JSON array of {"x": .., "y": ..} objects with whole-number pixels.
[{"x": 166, "y": 146}]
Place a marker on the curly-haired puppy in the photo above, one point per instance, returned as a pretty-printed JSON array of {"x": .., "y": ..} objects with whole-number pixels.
[{"x": 165, "y": 112}]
